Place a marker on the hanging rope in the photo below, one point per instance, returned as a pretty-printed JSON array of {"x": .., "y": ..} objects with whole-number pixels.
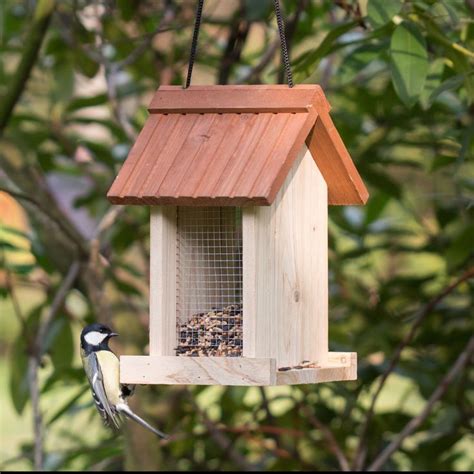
[
  {"x": 284, "y": 49},
  {"x": 192, "y": 55},
  {"x": 281, "y": 31}
]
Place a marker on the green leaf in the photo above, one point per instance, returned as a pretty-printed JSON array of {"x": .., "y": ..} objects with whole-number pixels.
[
  {"x": 375, "y": 207},
  {"x": 87, "y": 101},
  {"x": 255, "y": 11},
  {"x": 409, "y": 62},
  {"x": 85, "y": 64},
  {"x": 357, "y": 60},
  {"x": 461, "y": 247},
  {"x": 309, "y": 60},
  {"x": 19, "y": 391},
  {"x": 68, "y": 405},
  {"x": 14, "y": 231},
  {"x": 22, "y": 268},
  {"x": 433, "y": 79},
  {"x": 63, "y": 74},
  {"x": 380, "y": 12},
  {"x": 59, "y": 342},
  {"x": 450, "y": 84}
]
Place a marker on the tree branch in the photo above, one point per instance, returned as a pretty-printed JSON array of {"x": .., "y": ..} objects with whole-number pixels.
[
  {"x": 361, "y": 451},
  {"x": 33, "y": 384},
  {"x": 59, "y": 222},
  {"x": 222, "y": 440},
  {"x": 271, "y": 50},
  {"x": 37, "y": 30},
  {"x": 36, "y": 352},
  {"x": 331, "y": 442},
  {"x": 238, "y": 34},
  {"x": 416, "y": 422},
  {"x": 56, "y": 305}
]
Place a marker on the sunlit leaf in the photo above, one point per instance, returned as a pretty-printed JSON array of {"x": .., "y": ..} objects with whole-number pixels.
[
  {"x": 409, "y": 60},
  {"x": 380, "y": 12}
]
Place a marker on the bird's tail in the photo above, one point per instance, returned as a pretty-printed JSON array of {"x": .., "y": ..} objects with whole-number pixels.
[{"x": 126, "y": 410}]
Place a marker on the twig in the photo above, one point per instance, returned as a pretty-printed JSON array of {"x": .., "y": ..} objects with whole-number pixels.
[
  {"x": 223, "y": 441},
  {"x": 331, "y": 442},
  {"x": 424, "y": 312},
  {"x": 327, "y": 71},
  {"x": 107, "y": 220},
  {"x": 416, "y": 422},
  {"x": 163, "y": 26},
  {"x": 38, "y": 454},
  {"x": 264, "y": 62},
  {"x": 32, "y": 377},
  {"x": 26, "y": 197},
  {"x": 113, "y": 69},
  {"x": 56, "y": 305},
  {"x": 269, "y": 54},
  {"x": 37, "y": 30},
  {"x": 36, "y": 352},
  {"x": 238, "y": 34}
]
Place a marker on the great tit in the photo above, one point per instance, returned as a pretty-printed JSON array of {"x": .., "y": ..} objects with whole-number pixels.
[{"x": 102, "y": 370}]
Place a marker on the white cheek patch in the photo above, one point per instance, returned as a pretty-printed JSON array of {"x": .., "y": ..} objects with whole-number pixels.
[{"x": 94, "y": 338}]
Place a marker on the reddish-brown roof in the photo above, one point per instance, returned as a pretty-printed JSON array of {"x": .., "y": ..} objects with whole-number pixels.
[{"x": 232, "y": 145}]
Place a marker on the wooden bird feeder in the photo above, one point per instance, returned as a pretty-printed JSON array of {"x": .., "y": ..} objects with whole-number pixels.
[{"x": 238, "y": 180}]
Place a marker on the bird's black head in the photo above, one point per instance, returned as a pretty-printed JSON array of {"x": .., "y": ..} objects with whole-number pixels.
[{"x": 95, "y": 337}]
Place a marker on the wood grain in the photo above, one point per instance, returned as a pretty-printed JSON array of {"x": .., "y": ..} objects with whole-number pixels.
[
  {"x": 331, "y": 372},
  {"x": 241, "y": 371},
  {"x": 330, "y": 154},
  {"x": 285, "y": 274},
  {"x": 134, "y": 157},
  {"x": 233, "y": 146},
  {"x": 162, "y": 280},
  {"x": 197, "y": 370},
  {"x": 240, "y": 99}
]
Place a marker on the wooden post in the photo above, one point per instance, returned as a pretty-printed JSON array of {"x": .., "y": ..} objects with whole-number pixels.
[{"x": 162, "y": 280}]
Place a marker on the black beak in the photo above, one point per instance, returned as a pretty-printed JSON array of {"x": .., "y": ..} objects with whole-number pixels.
[{"x": 113, "y": 334}]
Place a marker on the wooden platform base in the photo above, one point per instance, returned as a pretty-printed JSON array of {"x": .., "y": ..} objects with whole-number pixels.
[{"x": 171, "y": 370}]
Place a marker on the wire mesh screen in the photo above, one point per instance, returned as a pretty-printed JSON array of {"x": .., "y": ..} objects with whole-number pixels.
[{"x": 209, "y": 281}]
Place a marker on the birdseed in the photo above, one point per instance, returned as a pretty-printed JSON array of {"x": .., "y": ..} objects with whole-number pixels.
[{"x": 218, "y": 333}]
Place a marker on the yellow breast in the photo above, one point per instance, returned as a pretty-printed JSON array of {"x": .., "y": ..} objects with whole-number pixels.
[{"x": 109, "y": 364}]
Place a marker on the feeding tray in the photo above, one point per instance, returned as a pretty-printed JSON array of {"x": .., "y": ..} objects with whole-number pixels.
[{"x": 238, "y": 180}]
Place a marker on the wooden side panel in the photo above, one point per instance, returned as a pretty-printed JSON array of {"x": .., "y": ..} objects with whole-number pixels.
[
  {"x": 341, "y": 366},
  {"x": 285, "y": 270},
  {"x": 330, "y": 154},
  {"x": 232, "y": 98},
  {"x": 258, "y": 265},
  {"x": 197, "y": 370},
  {"x": 162, "y": 280}
]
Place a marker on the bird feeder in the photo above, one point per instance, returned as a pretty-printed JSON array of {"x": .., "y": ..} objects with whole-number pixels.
[{"x": 238, "y": 180}]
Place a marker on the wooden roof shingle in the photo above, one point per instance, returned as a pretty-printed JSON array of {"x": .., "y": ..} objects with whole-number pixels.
[{"x": 233, "y": 145}]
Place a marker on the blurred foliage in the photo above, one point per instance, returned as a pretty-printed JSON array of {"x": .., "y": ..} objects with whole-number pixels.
[{"x": 400, "y": 80}]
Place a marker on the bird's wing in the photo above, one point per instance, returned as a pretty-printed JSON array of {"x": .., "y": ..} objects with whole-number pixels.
[{"x": 96, "y": 380}]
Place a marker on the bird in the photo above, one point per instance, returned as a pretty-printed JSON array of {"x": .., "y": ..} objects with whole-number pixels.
[{"x": 102, "y": 369}]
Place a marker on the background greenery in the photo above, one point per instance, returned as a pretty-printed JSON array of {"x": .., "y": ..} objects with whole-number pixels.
[{"x": 75, "y": 79}]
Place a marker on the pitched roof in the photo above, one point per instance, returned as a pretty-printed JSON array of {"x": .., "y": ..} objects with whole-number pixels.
[{"x": 233, "y": 145}]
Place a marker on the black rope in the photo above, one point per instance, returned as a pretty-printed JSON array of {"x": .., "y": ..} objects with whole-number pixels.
[
  {"x": 284, "y": 49},
  {"x": 192, "y": 55},
  {"x": 281, "y": 31}
]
